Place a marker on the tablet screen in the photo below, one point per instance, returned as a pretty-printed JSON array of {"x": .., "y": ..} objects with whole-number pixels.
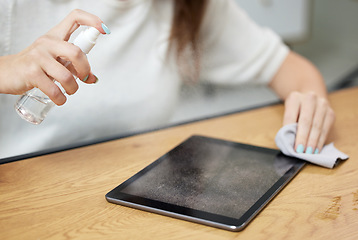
[{"x": 211, "y": 181}]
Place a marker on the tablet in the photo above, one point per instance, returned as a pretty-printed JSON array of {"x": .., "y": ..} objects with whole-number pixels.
[{"x": 210, "y": 181}]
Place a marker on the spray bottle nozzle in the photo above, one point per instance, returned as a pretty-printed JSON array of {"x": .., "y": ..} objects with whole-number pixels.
[
  {"x": 87, "y": 39},
  {"x": 92, "y": 34}
]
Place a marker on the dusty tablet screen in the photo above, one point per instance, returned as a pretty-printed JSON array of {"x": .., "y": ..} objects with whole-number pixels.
[{"x": 211, "y": 176}]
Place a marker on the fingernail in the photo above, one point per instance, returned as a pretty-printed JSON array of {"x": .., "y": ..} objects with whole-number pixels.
[
  {"x": 106, "y": 29},
  {"x": 85, "y": 79},
  {"x": 316, "y": 151},
  {"x": 96, "y": 79},
  {"x": 309, "y": 150},
  {"x": 300, "y": 148}
]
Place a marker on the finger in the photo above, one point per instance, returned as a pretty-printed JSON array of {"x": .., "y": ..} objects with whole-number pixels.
[
  {"x": 72, "y": 21},
  {"x": 69, "y": 55},
  {"x": 292, "y": 108},
  {"x": 305, "y": 121},
  {"x": 68, "y": 65},
  {"x": 327, "y": 125},
  {"x": 55, "y": 56},
  {"x": 89, "y": 79},
  {"x": 62, "y": 75},
  {"x": 317, "y": 125},
  {"x": 49, "y": 88}
]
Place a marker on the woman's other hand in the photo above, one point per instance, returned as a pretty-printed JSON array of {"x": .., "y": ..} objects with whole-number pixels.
[
  {"x": 315, "y": 118},
  {"x": 299, "y": 83}
]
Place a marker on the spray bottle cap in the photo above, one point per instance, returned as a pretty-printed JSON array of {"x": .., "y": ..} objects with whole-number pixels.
[{"x": 87, "y": 39}]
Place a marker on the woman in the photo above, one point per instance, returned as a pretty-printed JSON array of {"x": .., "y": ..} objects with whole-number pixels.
[{"x": 154, "y": 46}]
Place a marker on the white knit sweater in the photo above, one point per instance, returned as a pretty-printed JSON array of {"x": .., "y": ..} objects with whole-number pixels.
[{"x": 138, "y": 87}]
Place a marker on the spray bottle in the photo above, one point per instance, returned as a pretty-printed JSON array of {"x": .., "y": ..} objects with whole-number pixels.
[{"x": 34, "y": 105}]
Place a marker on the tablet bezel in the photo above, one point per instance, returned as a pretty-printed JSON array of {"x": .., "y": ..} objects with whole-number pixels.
[{"x": 198, "y": 216}]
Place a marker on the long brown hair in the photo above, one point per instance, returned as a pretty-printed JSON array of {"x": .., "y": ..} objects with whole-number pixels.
[{"x": 185, "y": 31}]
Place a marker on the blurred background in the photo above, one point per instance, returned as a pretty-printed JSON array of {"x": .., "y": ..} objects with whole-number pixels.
[{"x": 324, "y": 31}]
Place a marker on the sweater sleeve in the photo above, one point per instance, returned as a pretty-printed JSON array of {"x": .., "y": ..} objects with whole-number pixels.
[{"x": 235, "y": 49}]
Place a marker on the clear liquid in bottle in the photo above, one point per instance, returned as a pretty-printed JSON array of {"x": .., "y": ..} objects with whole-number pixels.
[{"x": 34, "y": 106}]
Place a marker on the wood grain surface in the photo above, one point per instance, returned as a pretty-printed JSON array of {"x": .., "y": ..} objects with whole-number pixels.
[{"x": 61, "y": 195}]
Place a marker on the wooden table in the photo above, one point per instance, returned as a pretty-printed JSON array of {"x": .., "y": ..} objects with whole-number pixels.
[{"x": 61, "y": 195}]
